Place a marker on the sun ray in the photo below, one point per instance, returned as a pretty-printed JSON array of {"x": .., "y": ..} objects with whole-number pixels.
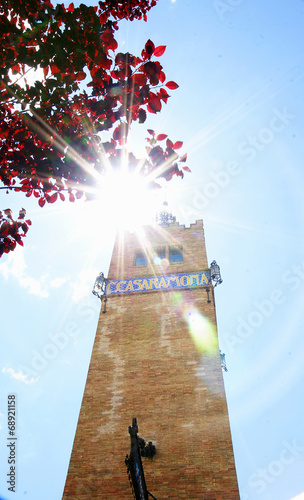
[
  {"x": 124, "y": 193},
  {"x": 241, "y": 110}
]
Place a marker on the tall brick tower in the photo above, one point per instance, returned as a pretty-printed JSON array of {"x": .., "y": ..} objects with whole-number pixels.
[{"x": 156, "y": 358}]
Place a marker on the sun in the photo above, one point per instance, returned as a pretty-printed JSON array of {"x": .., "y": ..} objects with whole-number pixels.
[
  {"x": 122, "y": 201},
  {"x": 128, "y": 200}
]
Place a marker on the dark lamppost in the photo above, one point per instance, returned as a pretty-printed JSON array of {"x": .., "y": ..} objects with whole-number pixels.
[
  {"x": 134, "y": 463},
  {"x": 215, "y": 273},
  {"x": 100, "y": 289}
]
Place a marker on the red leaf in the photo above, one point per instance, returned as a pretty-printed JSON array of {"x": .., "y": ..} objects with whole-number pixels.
[
  {"x": 116, "y": 133},
  {"x": 163, "y": 95},
  {"x": 150, "y": 47},
  {"x": 140, "y": 79},
  {"x": 162, "y": 76},
  {"x": 154, "y": 103},
  {"x": 169, "y": 144},
  {"x": 20, "y": 242},
  {"x": 142, "y": 115},
  {"x": 4, "y": 229},
  {"x": 54, "y": 69},
  {"x": 15, "y": 69},
  {"x": 24, "y": 228},
  {"x": 29, "y": 222},
  {"x": 53, "y": 198},
  {"x": 120, "y": 132},
  {"x": 158, "y": 51},
  {"x": 151, "y": 132},
  {"x": 72, "y": 197},
  {"x": 62, "y": 196},
  {"x": 71, "y": 7},
  {"x": 79, "y": 194},
  {"x": 177, "y": 145},
  {"x": 183, "y": 158},
  {"x": 172, "y": 85},
  {"x": 41, "y": 202},
  {"x": 187, "y": 169},
  {"x": 81, "y": 75},
  {"x": 161, "y": 137},
  {"x": 150, "y": 109}
]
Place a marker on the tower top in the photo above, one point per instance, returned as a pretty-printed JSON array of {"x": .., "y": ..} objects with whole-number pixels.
[{"x": 159, "y": 249}]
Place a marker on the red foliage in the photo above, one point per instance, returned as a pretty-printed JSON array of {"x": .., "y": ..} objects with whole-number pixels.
[
  {"x": 12, "y": 231},
  {"x": 165, "y": 160},
  {"x": 51, "y": 130}
]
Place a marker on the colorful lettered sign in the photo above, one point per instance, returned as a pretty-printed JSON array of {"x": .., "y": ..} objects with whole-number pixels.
[{"x": 172, "y": 281}]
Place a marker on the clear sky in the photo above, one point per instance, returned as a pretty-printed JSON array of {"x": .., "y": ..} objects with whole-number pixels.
[{"x": 239, "y": 110}]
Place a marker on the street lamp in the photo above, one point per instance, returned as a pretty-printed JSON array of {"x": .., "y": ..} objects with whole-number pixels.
[
  {"x": 100, "y": 289},
  {"x": 215, "y": 273},
  {"x": 134, "y": 464},
  {"x": 223, "y": 362}
]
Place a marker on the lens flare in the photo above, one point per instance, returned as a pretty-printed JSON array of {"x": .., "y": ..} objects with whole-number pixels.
[
  {"x": 202, "y": 331},
  {"x": 157, "y": 261}
]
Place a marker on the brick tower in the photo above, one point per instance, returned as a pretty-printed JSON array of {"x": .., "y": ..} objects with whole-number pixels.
[{"x": 156, "y": 358}]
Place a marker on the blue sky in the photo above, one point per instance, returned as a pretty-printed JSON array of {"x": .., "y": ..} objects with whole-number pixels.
[{"x": 239, "y": 110}]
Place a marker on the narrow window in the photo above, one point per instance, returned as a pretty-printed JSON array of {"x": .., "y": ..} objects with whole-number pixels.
[
  {"x": 140, "y": 259},
  {"x": 161, "y": 253},
  {"x": 175, "y": 254}
]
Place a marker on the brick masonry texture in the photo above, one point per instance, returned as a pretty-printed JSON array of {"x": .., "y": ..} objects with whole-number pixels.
[{"x": 145, "y": 364}]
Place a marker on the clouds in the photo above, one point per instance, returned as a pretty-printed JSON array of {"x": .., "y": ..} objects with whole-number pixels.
[
  {"x": 57, "y": 282},
  {"x": 19, "y": 376},
  {"x": 16, "y": 268},
  {"x": 82, "y": 285}
]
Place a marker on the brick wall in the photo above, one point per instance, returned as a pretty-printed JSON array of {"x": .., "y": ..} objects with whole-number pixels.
[
  {"x": 190, "y": 239},
  {"x": 146, "y": 364}
]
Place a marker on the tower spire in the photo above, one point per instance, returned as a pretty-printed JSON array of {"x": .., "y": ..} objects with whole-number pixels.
[{"x": 164, "y": 217}]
